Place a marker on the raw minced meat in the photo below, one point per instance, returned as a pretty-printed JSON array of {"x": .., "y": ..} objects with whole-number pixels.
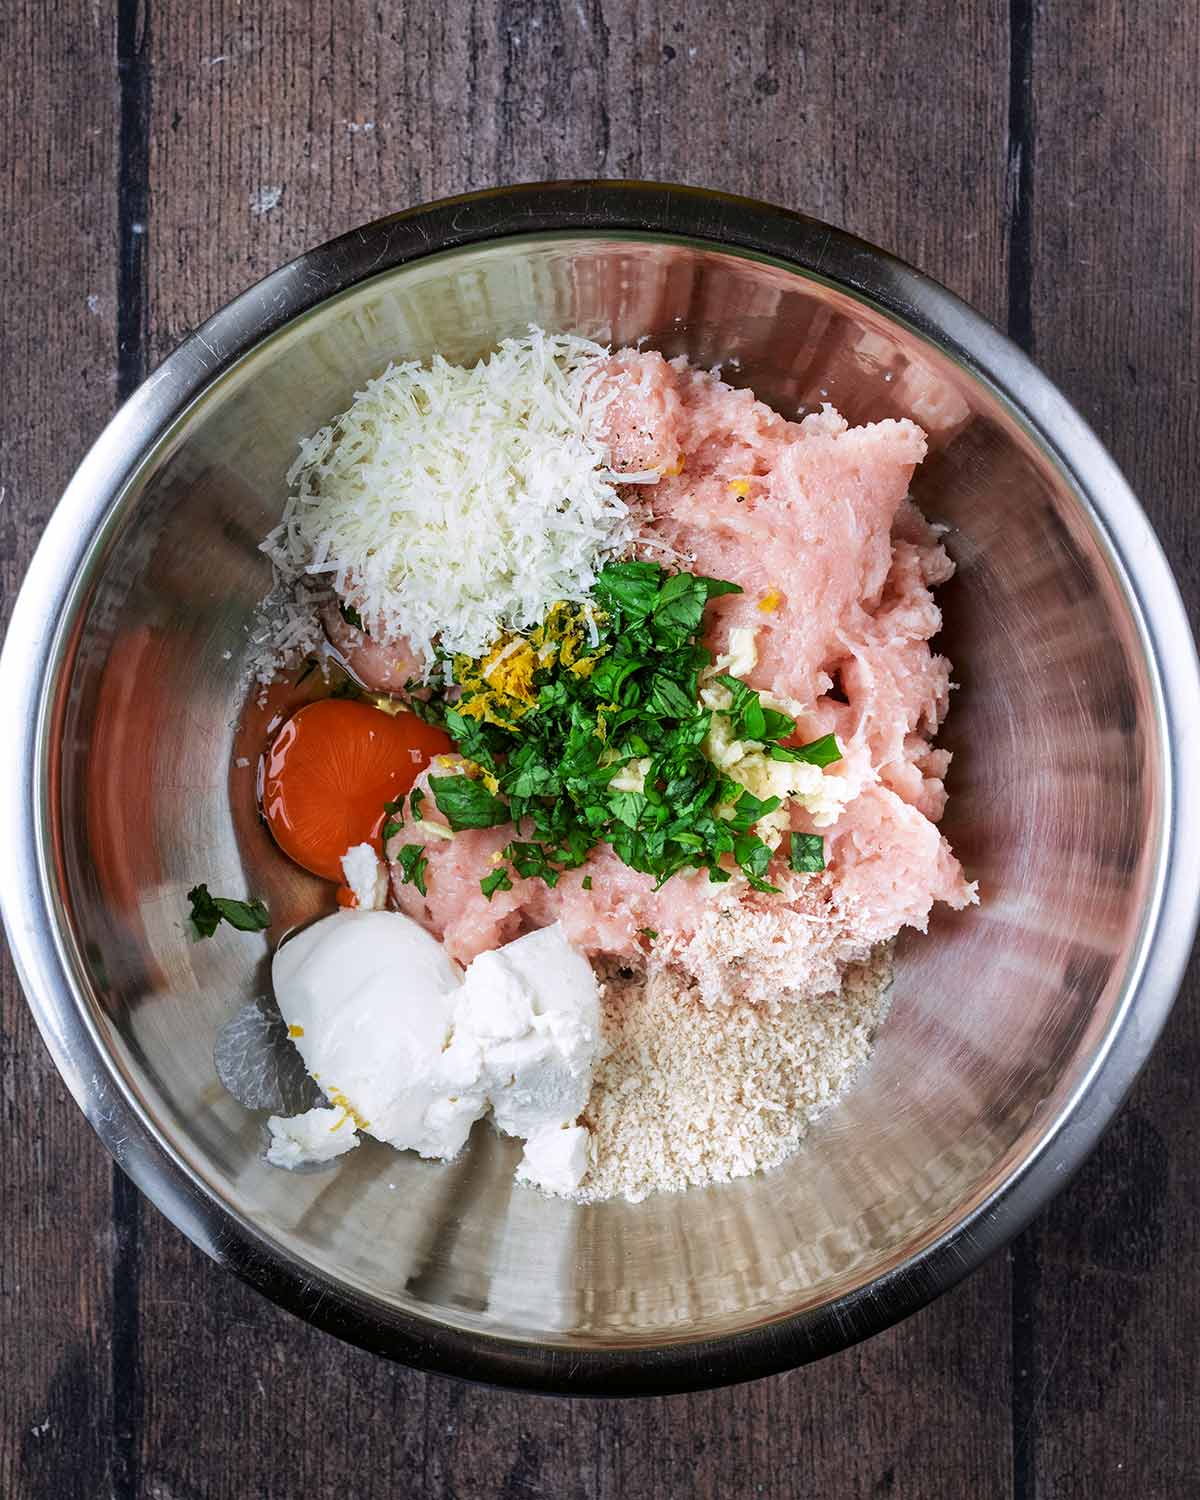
[{"x": 837, "y": 567}]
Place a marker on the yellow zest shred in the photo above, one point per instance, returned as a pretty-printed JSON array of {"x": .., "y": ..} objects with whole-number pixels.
[
  {"x": 498, "y": 688},
  {"x": 770, "y": 601},
  {"x": 672, "y": 469},
  {"x": 739, "y": 486},
  {"x": 601, "y": 726},
  {"x": 294, "y": 1031},
  {"x": 339, "y": 1101},
  {"x": 481, "y": 773}
]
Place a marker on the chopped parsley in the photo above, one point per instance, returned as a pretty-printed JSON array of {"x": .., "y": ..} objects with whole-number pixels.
[
  {"x": 208, "y": 912},
  {"x": 590, "y": 730},
  {"x": 498, "y": 880},
  {"x": 806, "y": 853},
  {"x": 822, "y": 752},
  {"x": 413, "y": 864},
  {"x": 395, "y": 818},
  {"x": 352, "y": 617},
  {"x": 466, "y": 803}
]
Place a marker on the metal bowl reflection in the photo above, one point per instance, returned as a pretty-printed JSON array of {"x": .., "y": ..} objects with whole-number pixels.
[{"x": 1016, "y": 1028}]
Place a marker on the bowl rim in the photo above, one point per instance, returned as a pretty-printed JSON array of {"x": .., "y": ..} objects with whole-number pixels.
[{"x": 37, "y": 639}]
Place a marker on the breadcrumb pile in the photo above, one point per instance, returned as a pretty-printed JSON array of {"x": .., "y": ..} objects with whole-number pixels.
[{"x": 691, "y": 1093}]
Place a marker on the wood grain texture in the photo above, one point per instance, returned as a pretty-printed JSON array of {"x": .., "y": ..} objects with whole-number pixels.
[
  {"x": 57, "y": 387},
  {"x": 1108, "y": 1402},
  {"x": 271, "y": 128}
]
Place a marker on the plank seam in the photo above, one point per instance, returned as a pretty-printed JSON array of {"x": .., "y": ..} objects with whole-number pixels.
[
  {"x": 1020, "y": 172},
  {"x": 133, "y": 195}
]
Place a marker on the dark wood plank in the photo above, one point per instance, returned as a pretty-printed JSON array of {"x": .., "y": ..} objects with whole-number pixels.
[
  {"x": 57, "y": 386},
  {"x": 1108, "y": 1399},
  {"x": 310, "y": 117}
]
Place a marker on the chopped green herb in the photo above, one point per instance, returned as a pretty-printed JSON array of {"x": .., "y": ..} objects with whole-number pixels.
[
  {"x": 822, "y": 752},
  {"x": 615, "y": 702},
  {"x": 753, "y": 857},
  {"x": 352, "y": 617},
  {"x": 586, "y": 882},
  {"x": 466, "y": 803},
  {"x": 497, "y": 881},
  {"x": 648, "y": 933},
  {"x": 413, "y": 865},
  {"x": 806, "y": 854},
  {"x": 531, "y": 861},
  {"x": 208, "y": 912},
  {"x": 415, "y": 798},
  {"x": 395, "y": 818}
]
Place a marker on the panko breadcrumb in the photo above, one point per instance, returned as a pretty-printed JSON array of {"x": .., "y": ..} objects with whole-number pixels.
[{"x": 689, "y": 1093}]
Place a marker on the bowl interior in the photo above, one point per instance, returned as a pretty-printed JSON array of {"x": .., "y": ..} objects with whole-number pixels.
[{"x": 1054, "y": 806}]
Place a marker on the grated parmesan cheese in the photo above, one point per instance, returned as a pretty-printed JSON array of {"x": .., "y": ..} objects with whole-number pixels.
[{"x": 451, "y": 504}]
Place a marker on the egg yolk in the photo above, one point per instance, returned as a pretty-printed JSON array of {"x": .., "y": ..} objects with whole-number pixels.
[{"x": 330, "y": 770}]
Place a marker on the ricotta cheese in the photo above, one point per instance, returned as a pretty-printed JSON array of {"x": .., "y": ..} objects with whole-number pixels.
[{"x": 407, "y": 1051}]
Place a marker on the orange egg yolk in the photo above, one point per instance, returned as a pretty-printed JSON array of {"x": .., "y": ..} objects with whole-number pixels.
[{"x": 330, "y": 770}]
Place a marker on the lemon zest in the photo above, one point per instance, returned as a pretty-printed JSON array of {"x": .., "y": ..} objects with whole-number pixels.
[{"x": 339, "y": 1101}]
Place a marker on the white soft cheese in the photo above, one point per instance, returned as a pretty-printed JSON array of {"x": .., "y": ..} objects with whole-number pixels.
[
  {"x": 368, "y": 998},
  {"x": 415, "y": 1056},
  {"x": 530, "y": 1011},
  {"x": 317, "y": 1135},
  {"x": 366, "y": 876},
  {"x": 556, "y": 1160}
]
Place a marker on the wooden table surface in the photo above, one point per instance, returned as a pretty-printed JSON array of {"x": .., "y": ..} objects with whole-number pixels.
[{"x": 1041, "y": 160}]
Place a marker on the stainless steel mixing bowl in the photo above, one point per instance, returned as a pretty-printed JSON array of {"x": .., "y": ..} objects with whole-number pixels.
[{"x": 1016, "y": 1028}]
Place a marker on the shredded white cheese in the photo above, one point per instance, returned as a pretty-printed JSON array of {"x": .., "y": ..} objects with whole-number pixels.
[{"x": 450, "y": 504}]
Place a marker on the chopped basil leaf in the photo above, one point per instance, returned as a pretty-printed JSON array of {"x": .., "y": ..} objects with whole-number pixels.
[
  {"x": 352, "y": 617},
  {"x": 208, "y": 912},
  {"x": 586, "y": 882},
  {"x": 531, "y": 861},
  {"x": 415, "y": 798}
]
